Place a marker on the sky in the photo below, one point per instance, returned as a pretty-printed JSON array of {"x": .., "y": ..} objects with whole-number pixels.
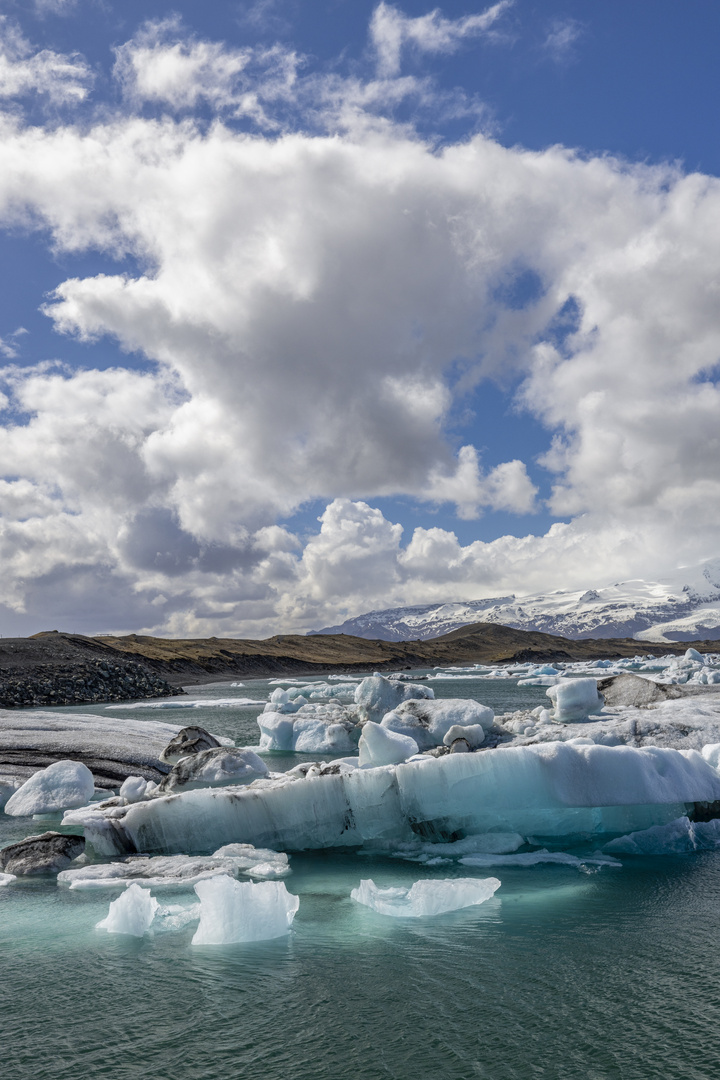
[{"x": 312, "y": 308}]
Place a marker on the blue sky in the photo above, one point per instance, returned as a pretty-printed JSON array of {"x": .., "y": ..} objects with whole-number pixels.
[{"x": 262, "y": 404}]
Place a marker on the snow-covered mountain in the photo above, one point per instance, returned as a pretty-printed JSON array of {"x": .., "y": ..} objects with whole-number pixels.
[{"x": 683, "y": 607}]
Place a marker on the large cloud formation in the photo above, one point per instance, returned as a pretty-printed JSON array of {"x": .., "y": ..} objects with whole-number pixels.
[{"x": 314, "y": 299}]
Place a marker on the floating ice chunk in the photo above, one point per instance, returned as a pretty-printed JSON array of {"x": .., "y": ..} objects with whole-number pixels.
[
  {"x": 693, "y": 654},
  {"x": 676, "y": 838},
  {"x": 313, "y": 729},
  {"x": 474, "y": 735},
  {"x": 427, "y": 897},
  {"x": 256, "y": 862},
  {"x": 575, "y": 699},
  {"x": 427, "y": 722},
  {"x": 61, "y": 786},
  {"x": 133, "y": 788},
  {"x": 132, "y": 912},
  {"x": 232, "y": 911},
  {"x": 175, "y": 917},
  {"x": 163, "y": 871},
  {"x": 379, "y": 746},
  {"x": 377, "y": 695},
  {"x": 6, "y": 879},
  {"x": 276, "y": 731},
  {"x": 533, "y": 858},
  {"x": 217, "y": 767}
]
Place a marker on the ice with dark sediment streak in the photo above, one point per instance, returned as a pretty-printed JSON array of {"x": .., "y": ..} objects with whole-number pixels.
[
  {"x": 547, "y": 790},
  {"x": 111, "y": 747},
  {"x": 167, "y": 871},
  {"x": 427, "y": 897}
]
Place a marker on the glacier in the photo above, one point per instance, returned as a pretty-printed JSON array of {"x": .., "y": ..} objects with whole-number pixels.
[{"x": 683, "y": 606}]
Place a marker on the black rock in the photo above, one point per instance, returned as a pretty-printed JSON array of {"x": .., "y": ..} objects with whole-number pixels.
[
  {"x": 189, "y": 740},
  {"x": 47, "y": 853}
]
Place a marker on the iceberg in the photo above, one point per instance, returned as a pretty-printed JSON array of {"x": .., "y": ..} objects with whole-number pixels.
[
  {"x": 313, "y": 729},
  {"x": 61, "y": 786},
  {"x": 216, "y": 767},
  {"x": 575, "y": 699},
  {"x": 427, "y": 897},
  {"x": 7, "y": 879},
  {"x": 376, "y": 696},
  {"x": 132, "y": 912},
  {"x": 428, "y": 722},
  {"x": 233, "y": 911},
  {"x": 547, "y": 790}
]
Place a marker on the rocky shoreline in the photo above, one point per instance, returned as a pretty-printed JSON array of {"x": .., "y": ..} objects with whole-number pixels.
[{"x": 60, "y": 669}]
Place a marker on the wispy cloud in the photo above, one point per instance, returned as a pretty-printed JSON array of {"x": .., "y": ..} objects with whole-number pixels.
[
  {"x": 391, "y": 31},
  {"x": 63, "y": 78},
  {"x": 562, "y": 38}
]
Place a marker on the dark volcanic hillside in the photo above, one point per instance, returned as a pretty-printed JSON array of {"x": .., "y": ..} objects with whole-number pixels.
[{"x": 55, "y": 668}]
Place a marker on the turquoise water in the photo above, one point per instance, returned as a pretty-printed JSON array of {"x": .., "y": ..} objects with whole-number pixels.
[{"x": 563, "y": 974}]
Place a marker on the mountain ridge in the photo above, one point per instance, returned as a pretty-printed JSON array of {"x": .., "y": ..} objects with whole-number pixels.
[{"x": 682, "y": 607}]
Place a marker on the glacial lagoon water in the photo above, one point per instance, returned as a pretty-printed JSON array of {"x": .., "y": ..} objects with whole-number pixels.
[{"x": 562, "y": 974}]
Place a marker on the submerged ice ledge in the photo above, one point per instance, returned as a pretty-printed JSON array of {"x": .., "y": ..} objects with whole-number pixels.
[{"x": 547, "y": 790}]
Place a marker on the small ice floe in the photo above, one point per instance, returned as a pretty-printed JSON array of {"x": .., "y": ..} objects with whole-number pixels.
[
  {"x": 678, "y": 837},
  {"x": 7, "y": 879},
  {"x": 47, "y": 853},
  {"x": 233, "y": 911},
  {"x": 132, "y": 913},
  {"x": 167, "y": 871},
  {"x": 63, "y": 785},
  {"x": 429, "y": 896},
  {"x": 380, "y": 746}
]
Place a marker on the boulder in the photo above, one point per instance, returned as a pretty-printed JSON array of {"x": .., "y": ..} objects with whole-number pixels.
[{"x": 47, "y": 853}]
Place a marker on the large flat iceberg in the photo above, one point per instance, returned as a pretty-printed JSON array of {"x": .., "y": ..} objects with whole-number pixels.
[{"x": 552, "y": 789}]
